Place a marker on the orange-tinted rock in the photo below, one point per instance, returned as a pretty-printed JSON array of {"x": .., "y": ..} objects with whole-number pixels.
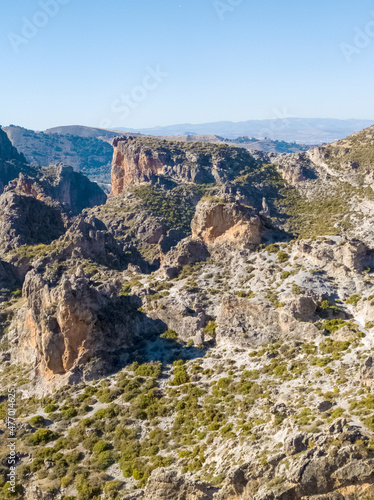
[{"x": 218, "y": 222}]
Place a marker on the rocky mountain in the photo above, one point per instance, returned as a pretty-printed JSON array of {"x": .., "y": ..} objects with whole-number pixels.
[{"x": 206, "y": 333}]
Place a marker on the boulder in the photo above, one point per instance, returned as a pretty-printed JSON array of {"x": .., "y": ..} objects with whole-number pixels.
[
  {"x": 218, "y": 222},
  {"x": 187, "y": 252}
]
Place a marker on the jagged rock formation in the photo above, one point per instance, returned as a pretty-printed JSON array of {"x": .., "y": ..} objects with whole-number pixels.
[
  {"x": 254, "y": 323},
  {"x": 218, "y": 222},
  {"x": 27, "y": 220},
  {"x": 145, "y": 159},
  {"x": 165, "y": 484},
  {"x": 71, "y": 188},
  {"x": 36, "y": 211},
  {"x": 83, "y": 323},
  {"x": 7, "y": 151},
  {"x": 186, "y": 253}
]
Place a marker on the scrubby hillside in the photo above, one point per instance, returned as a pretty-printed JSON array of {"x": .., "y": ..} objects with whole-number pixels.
[{"x": 207, "y": 333}]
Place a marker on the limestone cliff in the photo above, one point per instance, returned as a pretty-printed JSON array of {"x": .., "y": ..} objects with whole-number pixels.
[
  {"x": 146, "y": 159},
  {"x": 71, "y": 188},
  {"x": 60, "y": 329}
]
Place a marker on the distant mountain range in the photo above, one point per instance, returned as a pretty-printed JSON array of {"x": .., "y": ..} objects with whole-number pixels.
[{"x": 301, "y": 130}]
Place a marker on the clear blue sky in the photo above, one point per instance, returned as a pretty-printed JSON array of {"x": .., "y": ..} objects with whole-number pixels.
[{"x": 258, "y": 58}]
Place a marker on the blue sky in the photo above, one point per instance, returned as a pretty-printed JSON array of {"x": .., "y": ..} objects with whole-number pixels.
[{"x": 145, "y": 63}]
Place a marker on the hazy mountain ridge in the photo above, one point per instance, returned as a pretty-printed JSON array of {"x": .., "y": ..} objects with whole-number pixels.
[
  {"x": 246, "y": 142},
  {"x": 300, "y": 130}
]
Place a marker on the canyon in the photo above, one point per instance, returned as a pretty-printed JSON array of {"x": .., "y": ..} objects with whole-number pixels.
[{"x": 206, "y": 331}]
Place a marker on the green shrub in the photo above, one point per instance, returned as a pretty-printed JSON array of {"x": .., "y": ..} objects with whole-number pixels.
[
  {"x": 180, "y": 374},
  {"x": 152, "y": 369},
  {"x": 369, "y": 422},
  {"x": 210, "y": 329},
  {"x": 330, "y": 346},
  {"x": 353, "y": 299},
  {"x": 101, "y": 446},
  {"x": 333, "y": 325},
  {"x": 286, "y": 274},
  {"x": 170, "y": 335},
  {"x": 69, "y": 413},
  {"x": 86, "y": 491},
  {"x": 38, "y": 421},
  {"x": 43, "y": 436},
  {"x": 51, "y": 408},
  {"x": 273, "y": 248},
  {"x": 104, "y": 459},
  {"x": 247, "y": 295},
  {"x": 296, "y": 289},
  {"x": 283, "y": 256}
]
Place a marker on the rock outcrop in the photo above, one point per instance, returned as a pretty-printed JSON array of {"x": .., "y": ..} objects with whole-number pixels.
[
  {"x": 71, "y": 188},
  {"x": 230, "y": 223},
  {"x": 167, "y": 484},
  {"x": 338, "y": 254},
  {"x": 36, "y": 211},
  {"x": 7, "y": 151},
  {"x": 251, "y": 323},
  {"x": 75, "y": 328},
  {"x": 147, "y": 159},
  {"x": 28, "y": 220},
  {"x": 187, "y": 252},
  {"x": 11, "y": 162}
]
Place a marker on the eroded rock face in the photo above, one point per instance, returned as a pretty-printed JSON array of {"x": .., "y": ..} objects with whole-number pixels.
[
  {"x": 71, "y": 188},
  {"x": 11, "y": 162},
  {"x": 301, "y": 307},
  {"x": 251, "y": 323},
  {"x": 132, "y": 164},
  {"x": 232, "y": 223},
  {"x": 187, "y": 252},
  {"x": 341, "y": 255},
  {"x": 27, "y": 220},
  {"x": 7, "y": 151},
  {"x": 166, "y": 484},
  {"x": 148, "y": 159},
  {"x": 294, "y": 168},
  {"x": 61, "y": 328}
]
